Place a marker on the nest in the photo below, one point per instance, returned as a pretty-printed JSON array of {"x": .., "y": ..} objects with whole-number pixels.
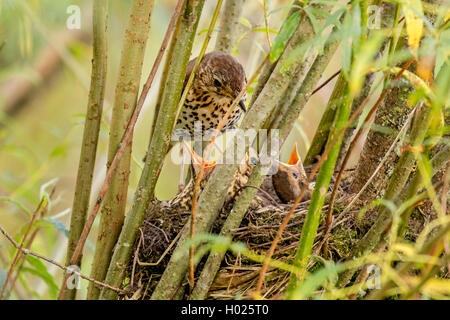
[{"x": 237, "y": 276}]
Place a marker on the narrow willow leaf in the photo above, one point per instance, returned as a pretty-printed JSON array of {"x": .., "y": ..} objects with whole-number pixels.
[
  {"x": 3, "y": 275},
  {"x": 412, "y": 10},
  {"x": 364, "y": 61},
  {"x": 356, "y": 27},
  {"x": 40, "y": 270},
  {"x": 286, "y": 31},
  {"x": 312, "y": 18},
  {"x": 246, "y": 23},
  {"x": 264, "y": 30},
  {"x": 59, "y": 226},
  {"x": 346, "y": 50},
  {"x": 283, "y": 7}
]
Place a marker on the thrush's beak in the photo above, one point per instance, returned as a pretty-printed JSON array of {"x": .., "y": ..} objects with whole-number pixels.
[{"x": 242, "y": 105}]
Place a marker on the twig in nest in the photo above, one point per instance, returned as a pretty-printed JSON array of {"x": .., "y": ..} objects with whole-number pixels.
[
  {"x": 152, "y": 264},
  {"x": 232, "y": 273},
  {"x": 136, "y": 254},
  {"x": 265, "y": 193}
]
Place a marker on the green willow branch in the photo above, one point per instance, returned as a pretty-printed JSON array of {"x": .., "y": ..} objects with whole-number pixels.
[
  {"x": 322, "y": 133},
  {"x": 182, "y": 102},
  {"x": 159, "y": 144},
  {"x": 127, "y": 89},
  {"x": 91, "y": 131},
  {"x": 229, "y": 26},
  {"x": 320, "y": 190}
]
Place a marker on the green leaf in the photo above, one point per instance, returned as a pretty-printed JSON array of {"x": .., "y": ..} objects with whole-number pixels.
[
  {"x": 315, "y": 281},
  {"x": 59, "y": 226},
  {"x": 346, "y": 46},
  {"x": 356, "y": 27},
  {"x": 283, "y": 7},
  {"x": 286, "y": 32},
  {"x": 264, "y": 30},
  {"x": 3, "y": 275},
  {"x": 246, "y": 23},
  {"x": 312, "y": 18},
  {"x": 40, "y": 270},
  {"x": 364, "y": 60},
  {"x": 59, "y": 151}
]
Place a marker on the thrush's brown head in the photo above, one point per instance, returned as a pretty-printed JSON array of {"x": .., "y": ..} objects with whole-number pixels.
[
  {"x": 218, "y": 80},
  {"x": 219, "y": 74},
  {"x": 290, "y": 178}
]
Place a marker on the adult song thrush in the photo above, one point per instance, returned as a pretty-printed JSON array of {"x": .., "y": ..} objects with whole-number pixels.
[
  {"x": 218, "y": 80},
  {"x": 290, "y": 178}
]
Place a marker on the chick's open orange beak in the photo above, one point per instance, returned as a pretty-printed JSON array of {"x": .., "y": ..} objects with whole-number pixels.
[
  {"x": 294, "y": 158},
  {"x": 197, "y": 160}
]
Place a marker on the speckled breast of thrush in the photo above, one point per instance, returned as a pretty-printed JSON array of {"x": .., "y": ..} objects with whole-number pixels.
[{"x": 218, "y": 80}]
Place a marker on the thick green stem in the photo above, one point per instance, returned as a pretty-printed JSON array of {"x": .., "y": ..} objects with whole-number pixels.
[
  {"x": 311, "y": 224},
  {"x": 320, "y": 138},
  {"x": 159, "y": 144},
  {"x": 233, "y": 221},
  {"x": 91, "y": 131}
]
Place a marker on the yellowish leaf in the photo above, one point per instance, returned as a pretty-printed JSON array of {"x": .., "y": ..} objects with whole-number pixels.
[
  {"x": 414, "y": 24},
  {"x": 404, "y": 248}
]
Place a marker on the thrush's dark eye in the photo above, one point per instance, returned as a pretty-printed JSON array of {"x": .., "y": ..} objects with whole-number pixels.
[
  {"x": 217, "y": 83},
  {"x": 294, "y": 175}
]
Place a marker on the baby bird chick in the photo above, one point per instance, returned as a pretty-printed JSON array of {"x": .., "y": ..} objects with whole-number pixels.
[
  {"x": 184, "y": 199},
  {"x": 290, "y": 178}
]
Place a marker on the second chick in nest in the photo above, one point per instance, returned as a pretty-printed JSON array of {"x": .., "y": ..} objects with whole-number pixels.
[{"x": 290, "y": 178}]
